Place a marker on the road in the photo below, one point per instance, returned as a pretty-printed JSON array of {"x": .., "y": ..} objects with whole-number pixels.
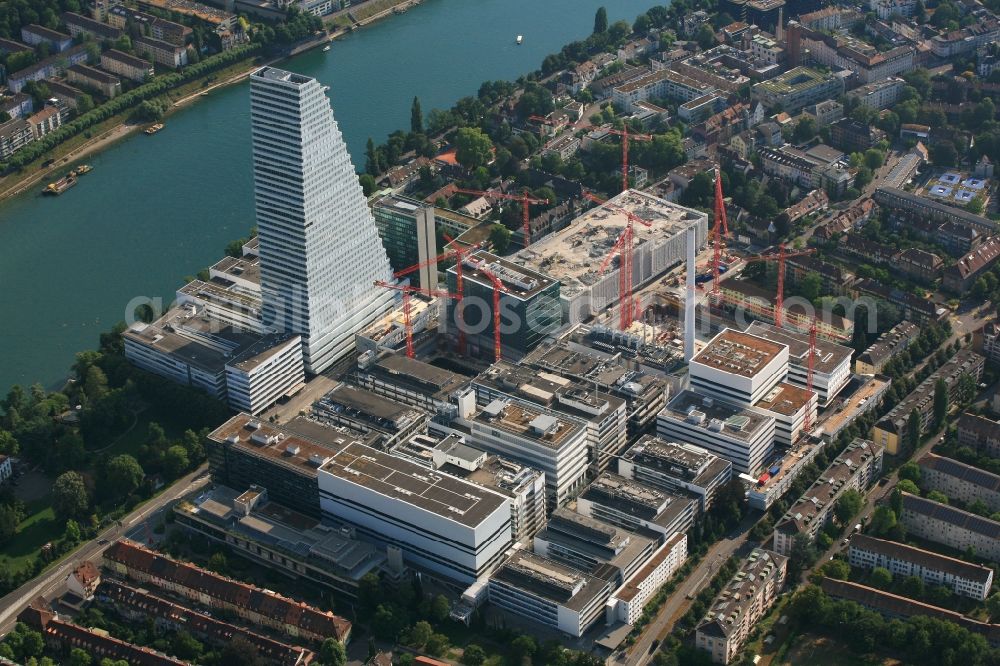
[
  {"x": 678, "y": 603},
  {"x": 132, "y": 524}
]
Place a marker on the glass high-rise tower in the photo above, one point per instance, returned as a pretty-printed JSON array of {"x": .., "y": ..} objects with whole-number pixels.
[{"x": 320, "y": 253}]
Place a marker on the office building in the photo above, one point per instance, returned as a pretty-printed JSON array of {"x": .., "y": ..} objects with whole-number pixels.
[
  {"x": 951, "y": 527},
  {"x": 963, "y": 578},
  {"x": 892, "y": 431},
  {"x": 594, "y": 546},
  {"x": 797, "y": 88},
  {"x": 529, "y": 306},
  {"x": 280, "y": 538},
  {"x": 574, "y": 255},
  {"x": 979, "y": 432},
  {"x": 628, "y": 601},
  {"x": 370, "y": 415},
  {"x": 440, "y": 523},
  {"x": 888, "y": 346},
  {"x": 636, "y": 507},
  {"x": 855, "y": 468},
  {"x": 412, "y": 382},
  {"x": 538, "y": 437},
  {"x": 550, "y": 593},
  {"x": 831, "y": 361},
  {"x": 742, "y": 436},
  {"x": 958, "y": 481},
  {"x": 604, "y": 414},
  {"x": 135, "y": 562},
  {"x": 678, "y": 468},
  {"x": 893, "y": 606},
  {"x": 792, "y": 408},
  {"x": 738, "y": 367},
  {"x": 742, "y": 603},
  {"x": 319, "y": 250},
  {"x": 879, "y": 95}
]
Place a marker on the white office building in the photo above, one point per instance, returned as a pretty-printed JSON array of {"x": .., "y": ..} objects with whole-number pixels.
[
  {"x": 265, "y": 373},
  {"x": 679, "y": 468},
  {"x": 637, "y": 507},
  {"x": 738, "y": 367},
  {"x": 831, "y": 362},
  {"x": 627, "y": 602},
  {"x": 320, "y": 253}
]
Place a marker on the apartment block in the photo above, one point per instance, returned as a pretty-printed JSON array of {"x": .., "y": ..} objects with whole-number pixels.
[
  {"x": 880, "y": 94},
  {"x": 980, "y": 433},
  {"x": 960, "y": 276},
  {"x": 164, "y": 53},
  {"x": 903, "y": 202},
  {"x": 742, "y": 603},
  {"x": 888, "y": 346},
  {"x": 252, "y": 604},
  {"x": 14, "y": 135},
  {"x": 628, "y": 601},
  {"x": 79, "y": 25},
  {"x": 52, "y": 66},
  {"x": 662, "y": 84},
  {"x": 36, "y": 35},
  {"x": 963, "y": 578},
  {"x": 90, "y": 77},
  {"x": 678, "y": 468},
  {"x": 855, "y": 468},
  {"x": 959, "y": 481},
  {"x": 892, "y": 430},
  {"x": 951, "y": 527},
  {"x": 550, "y": 593},
  {"x": 125, "y": 65},
  {"x": 797, "y": 88}
]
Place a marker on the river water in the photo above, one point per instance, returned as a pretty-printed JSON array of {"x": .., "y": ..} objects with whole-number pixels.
[{"x": 158, "y": 208}]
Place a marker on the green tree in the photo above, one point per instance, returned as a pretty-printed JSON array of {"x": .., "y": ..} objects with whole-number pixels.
[
  {"x": 913, "y": 429},
  {"x": 440, "y": 608},
  {"x": 805, "y": 130},
  {"x": 912, "y": 586},
  {"x": 437, "y": 644},
  {"x": 522, "y": 647},
  {"x": 420, "y": 633},
  {"x": 940, "y": 401},
  {"x": 937, "y": 496},
  {"x": 367, "y": 182},
  {"x": 175, "y": 461},
  {"x": 838, "y": 569},
  {"x": 908, "y": 486},
  {"x": 811, "y": 286},
  {"x": 78, "y": 657},
  {"x": 240, "y": 652},
  {"x": 993, "y": 606},
  {"x": 123, "y": 475},
  {"x": 473, "y": 147},
  {"x": 10, "y": 518},
  {"x": 218, "y": 563},
  {"x": 600, "y": 21},
  {"x": 185, "y": 646},
  {"x": 881, "y": 578},
  {"x": 71, "y": 535},
  {"x": 911, "y": 471},
  {"x": 705, "y": 36},
  {"x": 848, "y": 506},
  {"x": 473, "y": 655},
  {"x": 332, "y": 653},
  {"x": 69, "y": 495},
  {"x": 874, "y": 159},
  {"x": 372, "y": 164},
  {"x": 499, "y": 237},
  {"x": 976, "y": 205},
  {"x": 416, "y": 117},
  {"x": 96, "y": 384}
]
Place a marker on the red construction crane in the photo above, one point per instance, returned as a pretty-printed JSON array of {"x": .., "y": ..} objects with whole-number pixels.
[
  {"x": 719, "y": 230},
  {"x": 525, "y": 199},
  {"x": 497, "y": 288},
  {"x": 624, "y": 247},
  {"x": 407, "y": 290},
  {"x": 780, "y": 257},
  {"x": 809, "y": 374},
  {"x": 625, "y": 135}
]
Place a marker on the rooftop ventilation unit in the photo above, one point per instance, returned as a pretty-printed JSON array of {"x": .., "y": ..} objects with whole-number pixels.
[{"x": 293, "y": 449}]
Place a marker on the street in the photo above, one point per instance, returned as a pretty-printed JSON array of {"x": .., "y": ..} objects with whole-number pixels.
[{"x": 132, "y": 525}]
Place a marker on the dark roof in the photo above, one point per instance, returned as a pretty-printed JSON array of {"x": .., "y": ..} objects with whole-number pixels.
[
  {"x": 45, "y": 33},
  {"x": 90, "y": 25},
  {"x": 925, "y": 558},
  {"x": 951, "y": 515},
  {"x": 981, "y": 426},
  {"x": 126, "y": 59},
  {"x": 960, "y": 470},
  {"x": 95, "y": 74}
]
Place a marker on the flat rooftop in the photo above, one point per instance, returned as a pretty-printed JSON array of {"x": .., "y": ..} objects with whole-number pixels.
[
  {"x": 632, "y": 586},
  {"x": 570, "y": 396},
  {"x": 829, "y": 355},
  {"x": 738, "y": 353},
  {"x": 697, "y": 410},
  {"x": 785, "y": 399},
  {"x": 539, "y": 425},
  {"x": 427, "y": 378},
  {"x": 635, "y": 499},
  {"x": 541, "y": 577},
  {"x": 400, "y": 479},
  {"x": 574, "y": 255},
  {"x": 353, "y": 402},
  {"x": 520, "y": 281},
  {"x": 678, "y": 459}
]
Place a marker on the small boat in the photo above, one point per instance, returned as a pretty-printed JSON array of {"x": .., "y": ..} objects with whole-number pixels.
[
  {"x": 520, "y": 38},
  {"x": 153, "y": 129},
  {"x": 326, "y": 48},
  {"x": 82, "y": 169},
  {"x": 61, "y": 185}
]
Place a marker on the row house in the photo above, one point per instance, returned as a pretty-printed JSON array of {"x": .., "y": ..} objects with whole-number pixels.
[{"x": 852, "y": 219}]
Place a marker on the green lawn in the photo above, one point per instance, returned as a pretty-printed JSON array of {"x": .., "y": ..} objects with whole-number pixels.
[{"x": 35, "y": 531}]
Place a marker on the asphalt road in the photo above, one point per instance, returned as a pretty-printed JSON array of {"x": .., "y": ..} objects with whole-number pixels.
[{"x": 132, "y": 525}]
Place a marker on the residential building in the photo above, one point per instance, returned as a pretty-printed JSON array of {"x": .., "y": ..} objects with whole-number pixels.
[
  {"x": 879, "y": 95},
  {"x": 128, "y": 66},
  {"x": 951, "y": 527},
  {"x": 47, "y": 68},
  {"x": 538, "y": 437},
  {"x": 219, "y": 19},
  {"x": 14, "y": 135},
  {"x": 627, "y": 603},
  {"x": 958, "y": 481},
  {"x": 552, "y": 594},
  {"x": 740, "y": 435},
  {"x": 164, "y": 53},
  {"x": 662, "y": 84},
  {"x": 139, "y": 606},
  {"x": 892, "y": 431},
  {"x": 90, "y": 77},
  {"x": 17, "y": 105},
  {"x": 894, "y": 606},
  {"x": 797, "y": 88},
  {"x": 11, "y": 46},
  {"x": 35, "y": 34},
  {"x": 963, "y": 578},
  {"x": 6, "y": 468},
  {"x": 980, "y": 433},
  {"x": 919, "y": 264},
  {"x": 83, "y": 580},
  {"x": 888, "y": 346},
  {"x": 912, "y": 307},
  {"x": 852, "y": 136},
  {"x": 885, "y": 9},
  {"x": 135, "y": 562},
  {"x": 960, "y": 276},
  {"x": 370, "y": 415},
  {"x": 636, "y": 507},
  {"x": 300, "y": 156},
  {"x": 678, "y": 468},
  {"x": 899, "y": 200},
  {"x": 742, "y": 603},
  {"x": 62, "y": 635},
  {"x": 866, "y": 63},
  {"x": 47, "y": 120},
  {"x": 856, "y": 468},
  {"x": 529, "y": 302},
  {"x": 825, "y": 113},
  {"x": 280, "y": 538},
  {"x": 79, "y": 25},
  {"x": 63, "y": 93},
  {"x": 966, "y": 40},
  {"x": 119, "y": 16},
  {"x": 831, "y": 363},
  {"x": 758, "y": 303},
  {"x": 990, "y": 334}
]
